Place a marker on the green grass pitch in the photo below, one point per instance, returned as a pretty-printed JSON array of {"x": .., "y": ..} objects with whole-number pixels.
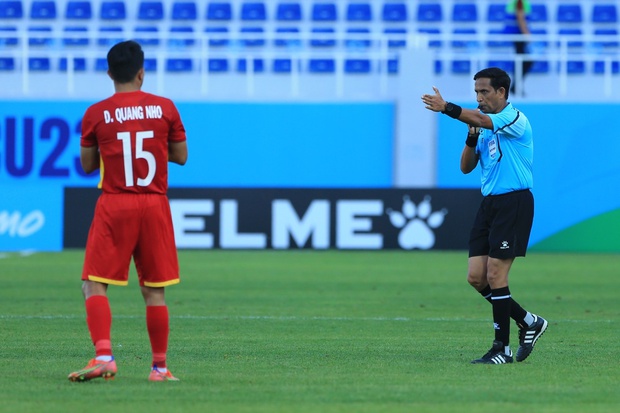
[{"x": 308, "y": 331}]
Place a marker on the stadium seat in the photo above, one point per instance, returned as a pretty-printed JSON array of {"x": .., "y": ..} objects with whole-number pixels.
[
  {"x": 41, "y": 10},
  {"x": 575, "y": 67},
  {"x": 218, "y": 38},
  {"x": 569, "y": 13},
  {"x": 394, "y": 12},
  {"x": 184, "y": 10},
  {"x": 151, "y": 39},
  {"x": 150, "y": 10},
  {"x": 219, "y": 11},
  {"x": 507, "y": 66},
  {"x": 429, "y": 12},
  {"x": 462, "y": 44},
  {"x": 358, "y": 42},
  {"x": 465, "y": 12},
  {"x": 539, "y": 46},
  {"x": 6, "y": 39},
  {"x": 600, "y": 67},
  {"x": 324, "y": 12},
  {"x": 77, "y": 10},
  {"x": 288, "y": 12},
  {"x": 250, "y": 40},
  {"x": 185, "y": 39},
  {"x": 253, "y": 12},
  {"x": 179, "y": 65},
  {"x": 432, "y": 31},
  {"x": 287, "y": 41},
  {"x": 282, "y": 65},
  {"x": 574, "y": 33},
  {"x": 438, "y": 66},
  {"x": 538, "y": 14},
  {"x": 113, "y": 10},
  {"x": 604, "y": 13},
  {"x": 322, "y": 41},
  {"x": 396, "y": 43},
  {"x": 74, "y": 40},
  {"x": 40, "y": 40},
  {"x": 540, "y": 66},
  {"x": 217, "y": 65},
  {"x": 359, "y": 12},
  {"x": 460, "y": 66},
  {"x": 497, "y": 41},
  {"x": 321, "y": 66},
  {"x": 11, "y": 9},
  {"x": 496, "y": 12},
  {"x": 606, "y": 44},
  {"x": 243, "y": 67},
  {"x": 79, "y": 64},
  {"x": 108, "y": 40},
  {"x": 39, "y": 64},
  {"x": 7, "y": 64},
  {"x": 150, "y": 64},
  {"x": 392, "y": 66},
  {"x": 357, "y": 66},
  {"x": 101, "y": 64}
]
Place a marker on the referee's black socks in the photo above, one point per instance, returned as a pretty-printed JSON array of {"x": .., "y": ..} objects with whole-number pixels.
[
  {"x": 502, "y": 303},
  {"x": 517, "y": 312}
]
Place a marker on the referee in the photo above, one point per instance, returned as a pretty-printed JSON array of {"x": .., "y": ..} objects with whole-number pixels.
[{"x": 500, "y": 139}]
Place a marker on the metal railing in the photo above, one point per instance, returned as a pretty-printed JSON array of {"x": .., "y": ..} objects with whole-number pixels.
[{"x": 20, "y": 48}]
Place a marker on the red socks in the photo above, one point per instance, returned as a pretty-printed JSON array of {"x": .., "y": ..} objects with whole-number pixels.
[
  {"x": 99, "y": 321},
  {"x": 158, "y": 326}
]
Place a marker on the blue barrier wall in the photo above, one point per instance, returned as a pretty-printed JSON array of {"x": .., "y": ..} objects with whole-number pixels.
[
  {"x": 308, "y": 145},
  {"x": 314, "y": 145},
  {"x": 230, "y": 145}
]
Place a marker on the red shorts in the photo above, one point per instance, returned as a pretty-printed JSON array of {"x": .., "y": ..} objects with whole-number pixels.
[{"x": 126, "y": 226}]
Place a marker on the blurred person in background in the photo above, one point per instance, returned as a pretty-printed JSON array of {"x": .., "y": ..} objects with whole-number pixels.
[{"x": 516, "y": 15}]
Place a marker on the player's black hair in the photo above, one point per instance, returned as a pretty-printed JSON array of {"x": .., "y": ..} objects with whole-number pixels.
[
  {"x": 499, "y": 78},
  {"x": 125, "y": 59}
]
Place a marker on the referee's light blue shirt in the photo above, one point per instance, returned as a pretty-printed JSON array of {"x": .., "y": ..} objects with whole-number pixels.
[{"x": 506, "y": 153}]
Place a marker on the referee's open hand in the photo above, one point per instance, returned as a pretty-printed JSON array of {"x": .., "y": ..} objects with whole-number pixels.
[{"x": 435, "y": 102}]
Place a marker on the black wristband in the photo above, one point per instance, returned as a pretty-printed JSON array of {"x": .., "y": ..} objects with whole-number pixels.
[
  {"x": 472, "y": 140},
  {"x": 452, "y": 110}
]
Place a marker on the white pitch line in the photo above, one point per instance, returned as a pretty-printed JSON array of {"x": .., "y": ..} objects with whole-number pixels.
[
  {"x": 23, "y": 253},
  {"x": 284, "y": 318}
]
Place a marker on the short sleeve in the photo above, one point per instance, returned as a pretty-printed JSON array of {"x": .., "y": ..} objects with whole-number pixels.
[{"x": 510, "y": 123}]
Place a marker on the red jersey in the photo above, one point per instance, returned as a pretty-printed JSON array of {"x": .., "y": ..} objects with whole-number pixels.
[{"x": 132, "y": 131}]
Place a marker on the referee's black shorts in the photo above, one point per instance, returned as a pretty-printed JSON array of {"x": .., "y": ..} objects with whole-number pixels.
[{"x": 502, "y": 226}]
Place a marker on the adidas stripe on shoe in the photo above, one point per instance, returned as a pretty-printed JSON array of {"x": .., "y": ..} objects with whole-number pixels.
[
  {"x": 529, "y": 335},
  {"x": 495, "y": 355}
]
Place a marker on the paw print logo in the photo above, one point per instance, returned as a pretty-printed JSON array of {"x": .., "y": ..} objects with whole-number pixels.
[{"x": 416, "y": 223}]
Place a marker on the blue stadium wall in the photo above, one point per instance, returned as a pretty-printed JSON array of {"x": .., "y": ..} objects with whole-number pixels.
[{"x": 344, "y": 148}]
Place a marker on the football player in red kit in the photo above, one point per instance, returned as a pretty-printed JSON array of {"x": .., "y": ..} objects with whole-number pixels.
[{"x": 130, "y": 136}]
